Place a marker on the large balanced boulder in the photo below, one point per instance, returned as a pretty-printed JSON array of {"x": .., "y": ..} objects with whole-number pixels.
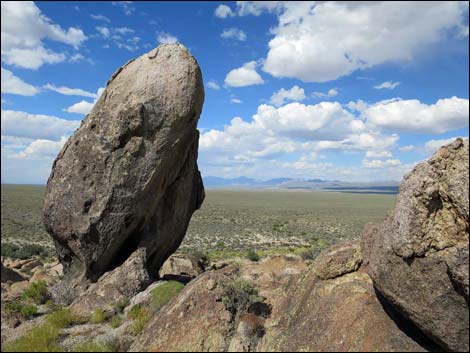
[
  {"x": 418, "y": 257},
  {"x": 128, "y": 177}
]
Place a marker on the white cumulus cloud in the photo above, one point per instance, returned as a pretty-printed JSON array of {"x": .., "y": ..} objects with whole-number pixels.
[
  {"x": 70, "y": 91},
  {"x": 223, "y": 11},
  {"x": 24, "y": 29},
  {"x": 322, "y": 41},
  {"x": 294, "y": 94},
  {"x": 36, "y": 126},
  {"x": 233, "y": 33},
  {"x": 164, "y": 37},
  {"x": 244, "y": 76},
  {"x": 413, "y": 116},
  {"x": 14, "y": 85}
]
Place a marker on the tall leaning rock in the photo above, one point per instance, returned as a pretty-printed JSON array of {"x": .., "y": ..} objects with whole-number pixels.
[
  {"x": 128, "y": 177},
  {"x": 418, "y": 258}
]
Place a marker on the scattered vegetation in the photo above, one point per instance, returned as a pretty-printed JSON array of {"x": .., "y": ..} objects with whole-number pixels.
[
  {"x": 43, "y": 338},
  {"x": 238, "y": 296},
  {"x": 25, "y": 251},
  {"x": 120, "y": 305},
  {"x": 26, "y": 311},
  {"x": 98, "y": 316},
  {"x": 163, "y": 293},
  {"x": 116, "y": 321},
  {"x": 37, "y": 292},
  {"x": 253, "y": 256},
  {"x": 228, "y": 225},
  {"x": 140, "y": 317},
  {"x": 201, "y": 257}
]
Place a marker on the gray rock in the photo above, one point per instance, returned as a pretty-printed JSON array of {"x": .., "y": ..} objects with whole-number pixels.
[
  {"x": 182, "y": 267},
  {"x": 123, "y": 282},
  {"x": 128, "y": 177},
  {"x": 418, "y": 257}
]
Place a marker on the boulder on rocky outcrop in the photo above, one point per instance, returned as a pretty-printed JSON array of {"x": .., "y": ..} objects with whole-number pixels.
[
  {"x": 418, "y": 257},
  {"x": 128, "y": 177},
  {"x": 181, "y": 267},
  {"x": 333, "y": 311},
  {"x": 10, "y": 275},
  {"x": 122, "y": 283},
  {"x": 197, "y": 319}
]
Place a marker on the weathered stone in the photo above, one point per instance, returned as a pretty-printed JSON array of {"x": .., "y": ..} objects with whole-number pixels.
[
  {"x": 418, "y": 257},
  {"x": 42, "y": 275},
  {"x": 180, "y": 267},
  {"x": 128, "y": 177},
  {"x": 249, "y": 331},
  {"x": 339, "y": 314},
  {"x": 196, "y": 320},
  {"x": 10, "y": 275},
  {"x": 123, "y": 282},
  {"x": 338, "y": 260}
]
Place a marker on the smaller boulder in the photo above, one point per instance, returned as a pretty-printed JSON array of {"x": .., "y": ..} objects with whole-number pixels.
[
  {"x": 180, "y": 267},
  {"x": 338, "y": 260},
  {"x": 123, "y": 282}
]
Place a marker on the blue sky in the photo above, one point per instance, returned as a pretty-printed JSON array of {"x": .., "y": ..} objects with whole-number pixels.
[{"x": 355, "y": 92}]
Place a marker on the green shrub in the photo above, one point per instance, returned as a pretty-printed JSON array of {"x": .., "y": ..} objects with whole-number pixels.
[
  {"x": 140, "y": 316},
  {"x": 116, "y": 321},
  {"x": 14, "y": 306},
  {"x": 93, "y": 347},
  {"x": 163, "y": 293},
  {"x": 37, "y": 292},
  {"x": 202, "y": 257},
  {"x": 238, "y": 296},
  {"x": 98, "y": 316},
  {"x": 28, "y": 311},
  {"x": 253, "y": 256},
  {"x": 39, "y": 339},
  {"x": 120, "y": 305},
  {"x": 25, "y": 251},
  {"x": 63, "y": 318},
  {"x": 308, "y": 253}
]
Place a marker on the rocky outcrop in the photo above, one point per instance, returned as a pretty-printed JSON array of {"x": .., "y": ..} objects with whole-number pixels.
[
  {"x": 418, "y": 257},
  {"x": 300, "y": 311},
  {"x": 197, "y": 320},
  {"x": 334, "y": 310},
  {"x": 10, "y": 275},
  {"x": 122, "y": 283},
  {"x": 128, "y": 177}
]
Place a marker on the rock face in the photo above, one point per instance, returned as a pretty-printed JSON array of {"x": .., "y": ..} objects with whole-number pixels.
[
  {"x": 418, "y": 257},
  {"x": 299, "y": 312},
  {"x": 128, "y": 177},
  {"x": 333, "y": 310},
  {"x": 123, "y": 282}
]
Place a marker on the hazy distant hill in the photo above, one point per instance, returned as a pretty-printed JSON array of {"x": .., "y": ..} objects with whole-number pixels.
[{"x": 309, "y": 184}]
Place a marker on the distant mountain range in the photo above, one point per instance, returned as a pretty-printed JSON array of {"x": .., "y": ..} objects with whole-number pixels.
[{"x": 386, "y": 187}]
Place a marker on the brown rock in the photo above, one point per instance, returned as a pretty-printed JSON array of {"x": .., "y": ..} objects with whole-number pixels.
[
  {"x": 128, "y": 177},
  {"x": 338, "y": 314},
  {"x": 338, "y": 260},
  {"x": 195, "y": 320},
  {"x": 418, "y": 257},
  {"x": 10, "y": 275},
  {"x": 180, "y": 267}
]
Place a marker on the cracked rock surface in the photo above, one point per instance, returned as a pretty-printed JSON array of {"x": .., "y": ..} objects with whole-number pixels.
[{"x": 418, "y": 257}]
